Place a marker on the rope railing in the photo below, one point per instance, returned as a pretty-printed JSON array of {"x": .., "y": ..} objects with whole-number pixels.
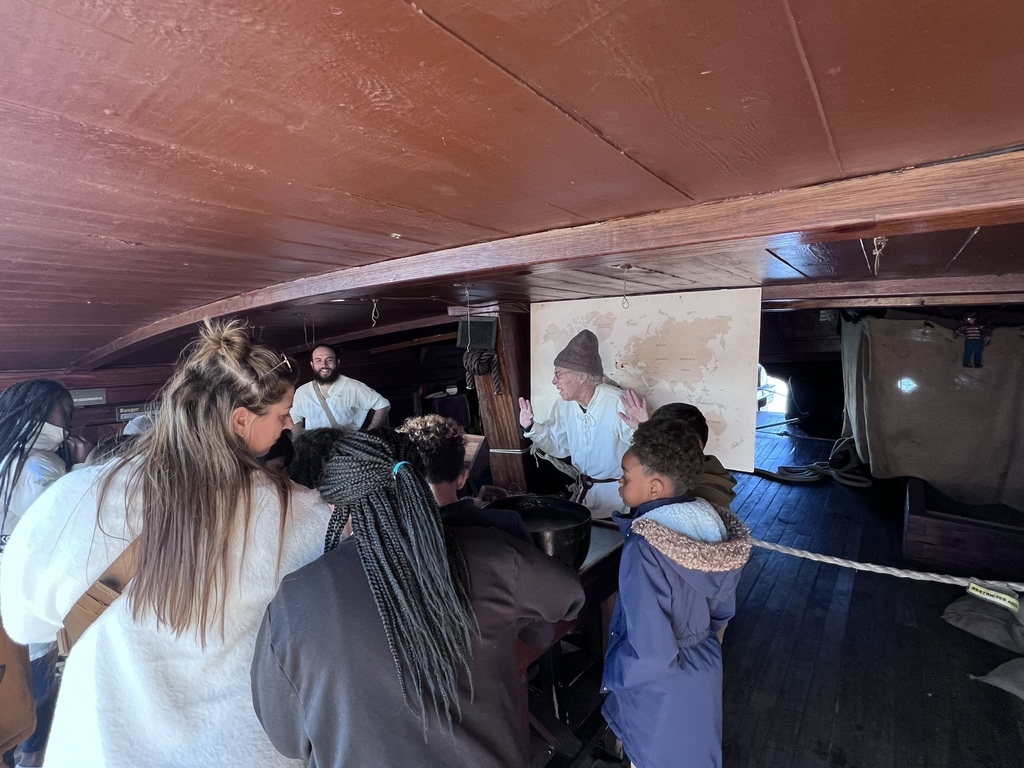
[{"x": 901, "y": 573}]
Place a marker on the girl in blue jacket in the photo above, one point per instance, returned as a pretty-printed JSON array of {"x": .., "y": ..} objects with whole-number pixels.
[{"x": 681, "y": 563}]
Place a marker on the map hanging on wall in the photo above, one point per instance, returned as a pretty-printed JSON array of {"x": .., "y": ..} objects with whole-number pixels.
[{"x": 698, "y": 347}]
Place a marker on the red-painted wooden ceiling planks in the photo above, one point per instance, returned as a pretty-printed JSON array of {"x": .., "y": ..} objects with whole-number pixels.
[{"x": 159, "y": 156}]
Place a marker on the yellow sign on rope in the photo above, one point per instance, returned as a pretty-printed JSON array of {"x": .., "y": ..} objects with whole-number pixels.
[{"x": 994, "y": 596}]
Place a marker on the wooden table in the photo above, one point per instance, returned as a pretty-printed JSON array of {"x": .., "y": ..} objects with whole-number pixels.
[{"x": 599, "y": 576}]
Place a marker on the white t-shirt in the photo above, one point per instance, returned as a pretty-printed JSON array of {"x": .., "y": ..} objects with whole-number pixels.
[{"x": 349, "y": 400}]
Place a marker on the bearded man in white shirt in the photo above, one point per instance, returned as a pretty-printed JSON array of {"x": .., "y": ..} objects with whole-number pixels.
[
  {"x": 592, "y": 421},
  {"x": 333, "y": 400}
]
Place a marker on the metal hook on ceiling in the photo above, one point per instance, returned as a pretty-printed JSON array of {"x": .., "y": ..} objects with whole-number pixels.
[{"x": 374, "y": 314}]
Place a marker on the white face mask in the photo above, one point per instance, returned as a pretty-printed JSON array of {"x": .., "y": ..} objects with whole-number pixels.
[{"x": 50, "y": 437}]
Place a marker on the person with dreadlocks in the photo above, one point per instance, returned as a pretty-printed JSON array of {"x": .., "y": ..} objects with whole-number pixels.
[
  {"x": 398, "y": 646},
  {"x": 161, "y": 678},
  {"x": 35, "y": 418}
]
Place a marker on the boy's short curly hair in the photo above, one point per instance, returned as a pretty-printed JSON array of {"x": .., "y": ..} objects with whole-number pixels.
[
  {"x": 688, "y": 414},
  {"x": 671, "y": 448},
  {"x": 441, "y": 443}
]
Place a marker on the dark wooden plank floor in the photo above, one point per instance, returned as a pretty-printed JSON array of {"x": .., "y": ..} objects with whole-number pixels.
[{"x": 825, "y": 667}]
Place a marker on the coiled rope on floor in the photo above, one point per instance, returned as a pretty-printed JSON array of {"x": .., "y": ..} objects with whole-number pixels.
[
  {"x": 959, "y": 581},
  {"x": 843, "y": 466}
]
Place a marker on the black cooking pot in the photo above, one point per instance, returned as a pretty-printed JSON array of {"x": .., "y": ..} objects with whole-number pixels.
[{"x": 559, "y": 527}]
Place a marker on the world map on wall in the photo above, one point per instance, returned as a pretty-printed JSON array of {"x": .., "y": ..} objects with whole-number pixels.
[{"x": 698, "y": 348}]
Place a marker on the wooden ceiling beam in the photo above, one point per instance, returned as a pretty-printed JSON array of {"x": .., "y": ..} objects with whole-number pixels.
[
  {"x": 916, "y": 292},
  {"x": 973, "y": 192},
  {"x": 369, "y": 333},
  {"x": 889, "y": 302}
]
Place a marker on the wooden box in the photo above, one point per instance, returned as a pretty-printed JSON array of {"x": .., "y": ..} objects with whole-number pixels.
[{"x": 985, "y": 540}]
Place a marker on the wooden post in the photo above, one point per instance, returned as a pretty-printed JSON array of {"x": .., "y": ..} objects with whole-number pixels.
[{"x": 500, "y": 413}]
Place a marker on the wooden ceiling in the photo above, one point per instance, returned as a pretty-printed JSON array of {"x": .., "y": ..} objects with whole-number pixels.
[{"x": 165, "y": 161}]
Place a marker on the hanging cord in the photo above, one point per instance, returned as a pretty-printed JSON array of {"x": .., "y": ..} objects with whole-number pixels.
[
  {"x": 625, "y": 271},
  {"x": 843, "y": 466},
  {"x": 877, "y": 252},
  {"x": 939, "y": 578},
  {"x": 480, "y": 362},
  {"x": 374, "y": 314}
]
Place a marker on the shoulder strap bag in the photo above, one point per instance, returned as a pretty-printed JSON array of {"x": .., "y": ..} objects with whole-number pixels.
[
  {"x": 97, "y": 598},
  {"x": 17, "y": 709}
]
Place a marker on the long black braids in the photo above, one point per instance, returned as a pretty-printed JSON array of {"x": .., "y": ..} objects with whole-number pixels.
[
  {"x": 417, "y": 574},
  {"x": 24, "y": 408}
]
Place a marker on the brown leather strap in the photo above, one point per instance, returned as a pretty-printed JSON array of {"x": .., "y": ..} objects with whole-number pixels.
[
  {"x": 587, "y": 482},
  {"x": 122, "y": 570},
  {"x": 323, "y": 404},
  {"x": 98, "y": 597}
]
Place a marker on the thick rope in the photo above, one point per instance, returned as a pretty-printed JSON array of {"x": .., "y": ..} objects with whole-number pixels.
[
  {"x": 959, "y": 581},
  {"x": 842, "y": 466},
  {"x": 480, "y": 362}
]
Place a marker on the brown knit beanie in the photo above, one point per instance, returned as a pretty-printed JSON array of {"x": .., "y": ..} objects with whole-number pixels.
[{"x": 581, "y": 354}]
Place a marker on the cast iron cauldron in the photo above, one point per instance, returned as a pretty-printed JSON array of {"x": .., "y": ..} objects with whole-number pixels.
[{"x": 559, "y": 527}]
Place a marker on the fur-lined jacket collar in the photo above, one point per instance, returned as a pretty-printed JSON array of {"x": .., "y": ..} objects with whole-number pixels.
[{"x": 693, "y": 554}]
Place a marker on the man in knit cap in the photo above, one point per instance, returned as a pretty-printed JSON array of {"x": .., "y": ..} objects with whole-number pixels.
[{"x": 590, "y": 422}]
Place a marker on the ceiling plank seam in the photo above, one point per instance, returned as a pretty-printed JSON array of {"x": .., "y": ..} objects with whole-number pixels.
[
  {"x": 791, "y": 266},
  {"x": 575, "y": 117},
  {"x": 806, "y": 64}
]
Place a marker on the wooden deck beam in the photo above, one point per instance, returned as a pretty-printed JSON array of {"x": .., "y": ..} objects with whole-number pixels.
[{"x": 981, "y": 191}]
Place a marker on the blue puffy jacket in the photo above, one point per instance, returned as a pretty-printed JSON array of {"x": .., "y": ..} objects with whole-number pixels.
[{"x": 663, "y": 670}]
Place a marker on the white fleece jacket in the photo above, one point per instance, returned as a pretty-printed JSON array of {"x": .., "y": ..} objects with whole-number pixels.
[{"x": 133, "y": 694}]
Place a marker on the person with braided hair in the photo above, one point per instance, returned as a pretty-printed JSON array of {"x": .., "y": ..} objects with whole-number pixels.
[
  {"x": 35, "y": 417},
  {"x": 398, "y": 646},
  {"x": 161, "y": 677}
]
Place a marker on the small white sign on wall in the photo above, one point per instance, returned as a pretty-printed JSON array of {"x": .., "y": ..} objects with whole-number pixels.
[{"x": 699, "y": 347}]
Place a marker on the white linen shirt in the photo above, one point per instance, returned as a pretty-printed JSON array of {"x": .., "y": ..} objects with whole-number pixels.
[
  {"x": 349, "y": 400},
  {"x": 596, "y": 438},
  {"x": 134, "y": 693}
]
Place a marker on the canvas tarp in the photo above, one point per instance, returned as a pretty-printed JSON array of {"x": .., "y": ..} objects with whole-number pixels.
[{"x": 914, "y": 410}]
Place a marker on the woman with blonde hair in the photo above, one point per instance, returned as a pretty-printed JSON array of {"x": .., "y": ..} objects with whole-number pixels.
[{"x": 161, "y": 678}]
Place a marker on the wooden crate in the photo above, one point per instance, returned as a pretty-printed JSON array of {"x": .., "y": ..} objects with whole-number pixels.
[{"x": 960, "y": 539}]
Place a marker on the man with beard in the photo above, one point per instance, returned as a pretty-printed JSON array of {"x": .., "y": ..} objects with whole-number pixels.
[{"x": 333, "y": 400}]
